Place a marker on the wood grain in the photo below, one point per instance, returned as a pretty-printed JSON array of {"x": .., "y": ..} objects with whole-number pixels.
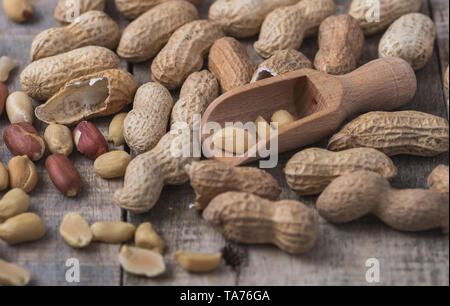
[{"x": 340, "y": 254}]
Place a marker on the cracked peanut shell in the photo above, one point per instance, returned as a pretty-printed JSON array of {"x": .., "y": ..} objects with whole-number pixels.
[{"x": 95, "y": 95}]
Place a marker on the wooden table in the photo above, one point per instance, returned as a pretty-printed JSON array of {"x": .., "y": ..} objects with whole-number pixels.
[{"x": 340, "y": 255}]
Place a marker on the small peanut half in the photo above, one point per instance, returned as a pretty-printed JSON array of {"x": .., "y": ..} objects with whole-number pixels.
[
  {"x": 4, "y": 177},
  {"x": 75, "y": 230},
  {"x": 112, "y": 164},
  {"x": 13, "y": 275},
  {"x": 19, "y": 108},
  {"x": 59, "y": 139},
  {"x": 113, "y": 232},
  {"x": 198, "y": 262},
  {"x": 147, "y": 238},
  {"x": 233, "y": 140},
  {"x": 141, "y": 261},
  {"x": 13, "y": 203},
  {"x": 6, "y": 65},
  {"x": 22, "y": 173},
  {"x": 115, "y": 134},
  {"x": 22, "y": 228},
  {"x": 18, "y": 10},
  {"x": 283, "y": 118}
]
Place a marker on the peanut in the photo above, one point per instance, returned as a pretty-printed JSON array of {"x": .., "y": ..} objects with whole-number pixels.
[
  {"x": 112, "y": 164},
  {"x": 354, "y": 195},
  {"x": 144, "y": 38},
  {"x": 75, "y": 230},
  {"x": 243, "y": 19},
  {"x": 200, "y": 89},
  {"x": 198, "y": 262},
  {"x": 59, "y": 139},
  {"x": 146, "y": 124},
  {"x": 263, "y": 128},
  {"x": 43, "y": 78},
  {"x": 23, "y": 139},
  {"x": 18, "y": 10},
  {"x": 141, "y": 261},
  {"x": 210, "y": 178},
  {"x": 132, "y": 9},
  {"x": 230, "y": 64},
  {"x": 283, "y": 118},
  {"x": 115, "y": 132},
  {"x": 63, "y": 174},
  {"x": 281, "y": 62},
  {"x": 147, "y": 174},
  {"x": 438, "y": 180},
  {"x": 22, "y": 173},
  {"x": 13, "y": 203},
  {"x": 67, "y": 10},
  {"x": 22, "y": 228},
  {"x": 19, "y": 108},
  {"x": 366, "y": 12},
  {"x": 147, "y": 238},
  {"x": 95, "y": 95},
  {"x": 286, "y": 27},
  {"x": 89, "y": 140},
  {"x": 247, "y": 218},
  {"x": 341, "y": 43},
  {"x": 113, "y": 232},
  {"x": 13, "y": 275},
  {"x": 310, "y": 171},
  {"x": 6, "y": 66},
  {"x": 4, "y": 177},
  {"x": 233, "y": 140},
  {"x": 4, "y": 93},
  {"x": 92, "y": 28},
  {"x": 411, "y": 37},
  {"x": 184, "y": 52},
  {"x": 404, "y": 132}
]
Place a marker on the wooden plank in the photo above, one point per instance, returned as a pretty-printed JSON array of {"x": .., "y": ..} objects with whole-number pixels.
[{"x": 46, "y": 258}]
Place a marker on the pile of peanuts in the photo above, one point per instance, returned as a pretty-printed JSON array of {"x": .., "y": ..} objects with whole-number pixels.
[{"x": 351, "y": 176}]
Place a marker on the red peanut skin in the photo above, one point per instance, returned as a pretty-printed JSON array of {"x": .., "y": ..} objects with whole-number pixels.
[
  {"x": 63, "y": 174},
  {"x": 4, "y": 93},
  {"x": 91, "y": 142},
  {"x": 23, "y": 139}
]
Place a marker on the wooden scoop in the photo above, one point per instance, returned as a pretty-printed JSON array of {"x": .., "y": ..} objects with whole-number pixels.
[{"x": 319, "y": 101}]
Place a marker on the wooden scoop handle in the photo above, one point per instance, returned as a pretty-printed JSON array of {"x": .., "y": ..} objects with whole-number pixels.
[{"x": 382, "y": 84}]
